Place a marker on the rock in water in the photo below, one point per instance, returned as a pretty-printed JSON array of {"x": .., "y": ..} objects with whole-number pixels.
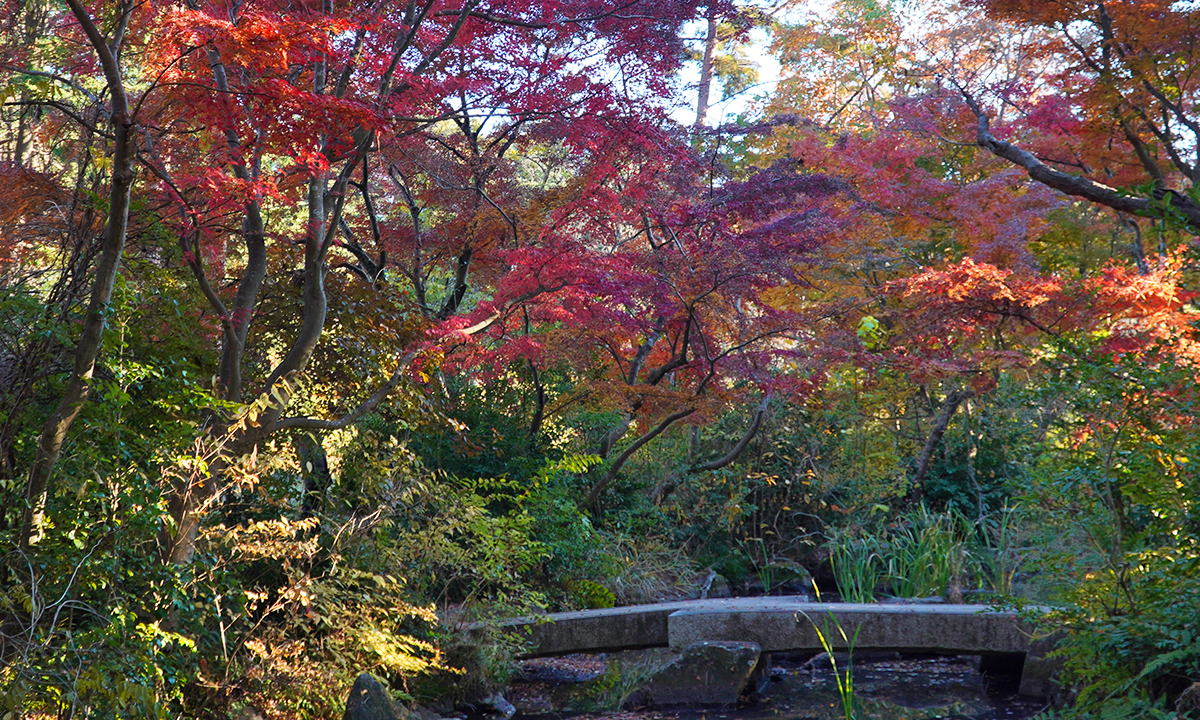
[
  {"x": 370, "y": 700},
  {"x": 502, "y": 707},
  {"x": 707, "y": 674}
]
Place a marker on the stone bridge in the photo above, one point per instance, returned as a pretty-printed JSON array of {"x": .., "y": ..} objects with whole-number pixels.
[{"x": 790, "y": 624}]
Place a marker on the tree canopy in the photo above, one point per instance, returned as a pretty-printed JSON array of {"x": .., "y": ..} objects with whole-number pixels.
[{"x": 327, "y": 323}]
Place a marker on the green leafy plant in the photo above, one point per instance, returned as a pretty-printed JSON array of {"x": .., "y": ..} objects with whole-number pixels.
[
  {"x": 843, "y": 677},
  {"x": 920, "y": 555},
  {"x": 926, "y": 554},
  {"x": 649, "y": 569},
  {"x": 857, "y": 566},
  {"x": 87, "y": 619},
  {"x": 1000, "y": 559}
]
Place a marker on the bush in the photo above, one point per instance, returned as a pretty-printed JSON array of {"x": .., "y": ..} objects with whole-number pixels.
[{"x": 88, "y": 613}]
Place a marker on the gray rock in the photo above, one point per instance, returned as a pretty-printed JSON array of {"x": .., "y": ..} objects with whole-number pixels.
[
  {"x": 1039, "y": 674},
  {"x": 788, "y": 577},
  {"x": 707, "y": 674},
  {"x": 709, "y": 585},
  {"x": 424, "y": 713},
  {"x": 1188, "y": 705},
  {"x": 370, "y": 700},
  {"x": 718, "y": 587},
  {"x": 248, "y": 712},
  {"x": 501, "y": 706}
]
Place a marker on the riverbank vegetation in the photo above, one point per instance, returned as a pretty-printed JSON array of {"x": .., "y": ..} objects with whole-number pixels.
[{"x": 331, "y": 327}]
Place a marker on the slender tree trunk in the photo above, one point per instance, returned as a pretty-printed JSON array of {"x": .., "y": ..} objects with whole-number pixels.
[
  {"x": 972, "y": 472},
  {"x": 21, "y": 144},
  {"x": 314, "y": 468},
  {"x": 54, "y": 432},
  {"x": 593, "y": 495},
  {"x": 668, "y": 486},
  {"x": 539, "y": 406},
  {"x": 706, "y": 68},
  {"x": 949, "y": 405}
]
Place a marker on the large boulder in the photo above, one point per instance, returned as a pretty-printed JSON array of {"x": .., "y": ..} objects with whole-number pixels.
[
  {"x": 706, "y": 675},
  {"x": 788, "y": 578},
  {"x": 370, "y": 700}
]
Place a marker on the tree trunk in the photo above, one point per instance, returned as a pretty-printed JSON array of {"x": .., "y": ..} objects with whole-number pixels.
[
  {"x": 54, "y": 432},
  {"x": 314, "y": 468},
  {"x": 706, "y": 68},
  {"x": 949, "y": 405}
]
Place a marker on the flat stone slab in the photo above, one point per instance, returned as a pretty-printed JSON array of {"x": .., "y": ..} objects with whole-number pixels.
[
  {"x": 631, "y": 627},
  {"x": 635, "y": 627},
  {"x": 776, "y": 624},
  {"x": 953, "y": 629}
]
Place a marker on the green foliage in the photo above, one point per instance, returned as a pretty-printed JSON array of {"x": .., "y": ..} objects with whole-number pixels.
[
  {"x": 649, "y": 569},
  {"x": 628, "y": 563},
  {"x": 975, "y": 469},
  {"x": 589, "y": 594},
  {"x": 922, "y": 554},
  {"x": 465, "y": 541},
  {"x": 576, "y": 558},
  {"x": 926, "y": 554},
  {"x": 92, "y": 607},
  {"x": 1116, "y": 708},
  {"x": 999, "y": 555},
  {"x": 491, "y": 432},
  {"x": 1133, "y": 634},
  {"x": 1114, "y": 492},
  {"x": 844, "y": 677},
  {"x": 857, "y": 567},
  {"x": 754, "y": 519}
]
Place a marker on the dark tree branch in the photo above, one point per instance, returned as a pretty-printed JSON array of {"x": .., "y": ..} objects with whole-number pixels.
[
  {"x": 670, "y": 484},
  {"x": 1077, "y": 186},
  {"x": 459, "y": 290},
  {"x": 949, "y": 405},
  {"x": 598, "y": 487},
  {"x": 740, "y": 447},
  {"x": 542, "y": 25}
]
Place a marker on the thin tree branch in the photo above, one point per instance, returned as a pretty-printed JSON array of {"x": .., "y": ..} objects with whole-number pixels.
[{"x": 594, "y": 494}]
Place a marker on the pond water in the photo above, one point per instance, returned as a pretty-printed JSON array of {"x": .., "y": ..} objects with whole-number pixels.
[
  {"x": 886, "y": 687},
  {"x": 895, "y": 688}
]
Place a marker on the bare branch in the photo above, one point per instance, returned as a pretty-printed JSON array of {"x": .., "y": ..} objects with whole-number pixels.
[
  {"x": 363, "y": 408},
  {"x": 594, "y": 494}
]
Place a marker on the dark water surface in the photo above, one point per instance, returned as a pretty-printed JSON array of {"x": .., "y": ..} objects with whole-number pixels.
[
  {"x": 886, "y": 687},
  {"x": 898, "y": 688}
]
